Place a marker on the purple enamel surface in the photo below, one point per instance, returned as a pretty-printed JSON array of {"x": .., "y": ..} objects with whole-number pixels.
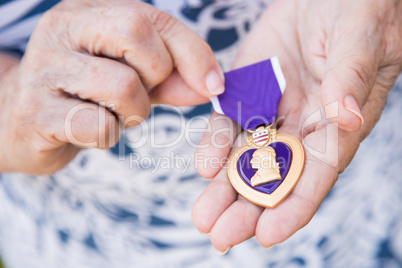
[
  {"x": 256, "y": 90},
  {"x": 283, "y": 157}
]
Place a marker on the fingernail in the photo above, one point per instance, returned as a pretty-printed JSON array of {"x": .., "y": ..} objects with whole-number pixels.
[
  {"x": 269, "y": 247},
  {"x": 352, "y": 106},
  {"x": 204, "y": 234},
  {"x": 220, "y": 253},
  {"x": 215, "y": 83}
]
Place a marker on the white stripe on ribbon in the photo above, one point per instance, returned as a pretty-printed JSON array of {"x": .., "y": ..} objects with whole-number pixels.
[
  {"x": 216, "y": 105},
  {"x": 278, "y": 73}
]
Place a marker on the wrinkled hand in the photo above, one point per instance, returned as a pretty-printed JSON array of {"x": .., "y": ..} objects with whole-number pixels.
[
  {"x": 346, "y": 53},
  {"x": 90, "y": 69}
]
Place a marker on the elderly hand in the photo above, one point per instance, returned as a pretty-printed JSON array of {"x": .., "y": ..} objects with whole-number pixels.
[
  {"x": 91, "y": 68},
  {"x": 339, "y": 57}
]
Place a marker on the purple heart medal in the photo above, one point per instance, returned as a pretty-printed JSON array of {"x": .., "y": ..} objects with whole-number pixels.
[{"x": 267, "y": 168}]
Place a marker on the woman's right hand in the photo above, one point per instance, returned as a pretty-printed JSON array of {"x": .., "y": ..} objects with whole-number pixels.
[{"x": 89, "y": 70}]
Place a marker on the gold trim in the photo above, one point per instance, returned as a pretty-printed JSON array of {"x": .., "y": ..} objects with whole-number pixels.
[{"x": 283, "y": 190}]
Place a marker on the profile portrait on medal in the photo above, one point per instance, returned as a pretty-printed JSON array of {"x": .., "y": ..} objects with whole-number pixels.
[{"x": 264, "y": 160}]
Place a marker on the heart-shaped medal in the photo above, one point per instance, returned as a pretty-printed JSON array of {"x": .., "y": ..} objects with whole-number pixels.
[{"x": 267, "y": 169}]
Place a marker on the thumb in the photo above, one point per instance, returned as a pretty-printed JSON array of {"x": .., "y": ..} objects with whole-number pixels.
[
  {"x": 192, "y": 56},
  {"x": 351, "y": 73}
]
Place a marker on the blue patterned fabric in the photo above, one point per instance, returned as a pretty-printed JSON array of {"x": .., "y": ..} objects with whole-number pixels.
[
  {"x": 18, "y": 19},
  {"x": 116, "y": 208}
]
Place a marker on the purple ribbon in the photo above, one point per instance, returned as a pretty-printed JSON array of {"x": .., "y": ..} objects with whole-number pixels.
[{"x": 252, "y": 94}]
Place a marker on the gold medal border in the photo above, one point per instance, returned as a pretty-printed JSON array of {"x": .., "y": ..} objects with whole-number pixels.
[{"x": 284, "y": 189}]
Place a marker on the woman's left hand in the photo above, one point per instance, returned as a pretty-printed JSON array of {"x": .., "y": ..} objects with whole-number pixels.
[{"x": 341, "y": 57}]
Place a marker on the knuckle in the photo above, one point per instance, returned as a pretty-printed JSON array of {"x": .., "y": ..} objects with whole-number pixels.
[
  {"x": 138, "y": 116},
  {"x": 362, "y": 77},
  {"x": 52, "y": 23},
  {"x": 160, "y": 70},
  {"x": 128, "y": 84},
  {"x": 50, "y": 34},
  {"x": 204, "y": 46},
  {"x": 204, "y": 53},
  {"x": 145, "y": 112},
  {"x": 393, "y": 45},
  {"x": 136, "y": 24},
  {"x": 50, "y": 17},
  {"x": 138, "y": 19}
]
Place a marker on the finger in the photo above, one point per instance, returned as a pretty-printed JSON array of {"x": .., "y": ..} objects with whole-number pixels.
[
  {"x": 276, "y": 225},
  {"x": 108, "y": 83},
  {"x": 318, "y": 177},
  {"x": 191, "y": 55},
  {"x": 352, "y": 64},
  {"x": 148, "y": 40},
  {"x": 131, "y": 38},
  {"x": 175, "y": 91},
  {"x": 213, "y": 201},
  {"x": 216, "y": 198},
  {"x": 240, "y": 219},
  {"x": 349, "y": 142},
  {"x": 214, "y": 148},
  {"x": 83, "y": 124}
]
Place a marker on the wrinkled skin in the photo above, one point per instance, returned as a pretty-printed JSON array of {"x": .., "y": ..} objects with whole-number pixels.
[
  {"x": 344, "y": 51},
  {"x": 131, "y": 55},
  {"x": 92, "y": 68}
]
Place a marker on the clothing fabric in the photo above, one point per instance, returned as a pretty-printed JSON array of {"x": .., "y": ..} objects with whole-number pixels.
[
  {"x": 18, "y": 19},
  {"x": 130, "y": 206}
]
